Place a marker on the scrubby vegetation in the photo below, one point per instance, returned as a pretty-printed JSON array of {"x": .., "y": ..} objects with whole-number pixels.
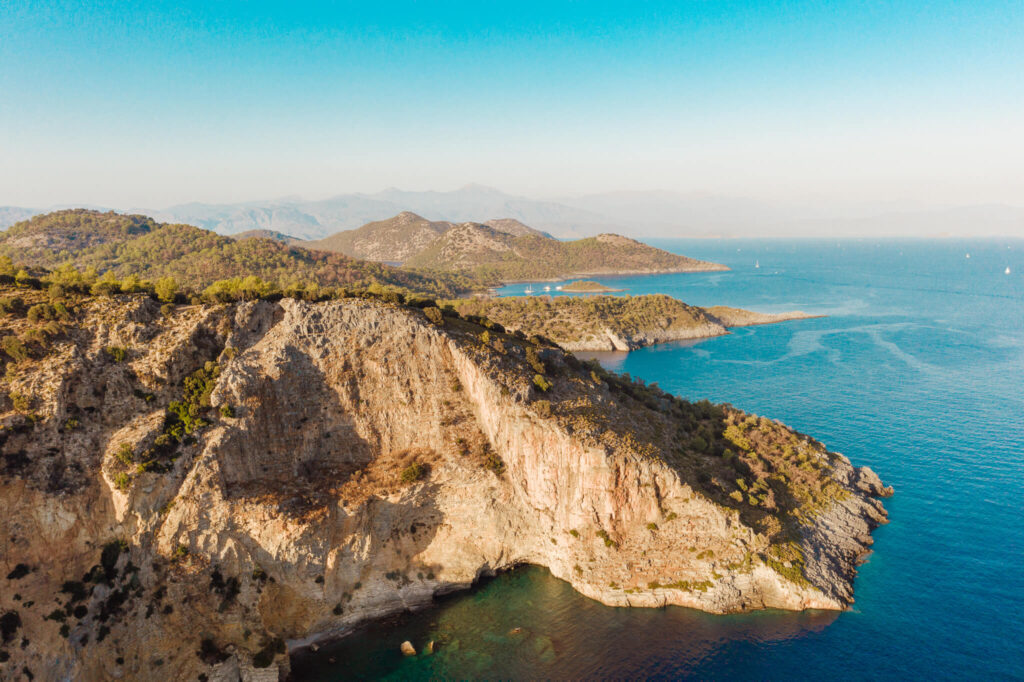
[
  {"x": 494, "y": 256},
  {"x": 413, "y": 473},
  {"x": 129, "y": 246},
  {"x": 567, "y": 319}
]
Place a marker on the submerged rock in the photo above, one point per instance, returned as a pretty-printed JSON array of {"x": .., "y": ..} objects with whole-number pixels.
[{"x": 408, "y": 649}]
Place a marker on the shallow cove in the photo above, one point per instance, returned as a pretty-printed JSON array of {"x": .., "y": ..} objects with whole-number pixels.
[{"x": 527, "y": 624}]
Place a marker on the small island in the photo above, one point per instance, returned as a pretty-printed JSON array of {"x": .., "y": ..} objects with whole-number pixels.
[{"x": 586, "y": 286}]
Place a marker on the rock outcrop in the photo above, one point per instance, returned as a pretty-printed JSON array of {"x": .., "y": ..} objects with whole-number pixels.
[{"x": 254, "y": 477}]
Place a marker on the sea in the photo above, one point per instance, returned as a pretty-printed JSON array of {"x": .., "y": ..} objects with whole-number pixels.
[{"x": 916, "y": 370}]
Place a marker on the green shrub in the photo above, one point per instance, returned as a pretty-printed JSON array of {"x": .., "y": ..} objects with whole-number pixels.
[
  {"x": 14, "y": 348},
  {"x": 413, "y": 472},
  {"x": 652, "y": 526},
  {"x": 434, "y": 314},
  {"x": 534, "y": 360},
  {"x": 20, "y": 402},
  {"x": 227, "y": 411},
  {"x": 185, "y": 416},
  {"x": 125, "y": 455},
  {"x": 493, "y": 462},
  {"x": 608, "y": 542},
  {"x": 543, "y": 408},
  {"x": 116, "y": 353},
  {"x": 12, "y": 305},
  {"x": 540, "y": 382},
  {"x": 122, "y": 482},
  {"x": 40, "y": 311},
  {"x": 166, "y": 289}
]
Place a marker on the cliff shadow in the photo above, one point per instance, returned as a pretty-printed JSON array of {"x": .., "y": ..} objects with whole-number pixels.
[{"x": 293, "y": 439}]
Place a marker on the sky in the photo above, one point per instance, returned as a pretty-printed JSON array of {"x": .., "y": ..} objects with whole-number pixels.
[{"x": 134, "y": 104}]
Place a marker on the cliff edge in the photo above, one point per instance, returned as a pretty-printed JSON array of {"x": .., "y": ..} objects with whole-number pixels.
[{"x": 196, "y": 490}]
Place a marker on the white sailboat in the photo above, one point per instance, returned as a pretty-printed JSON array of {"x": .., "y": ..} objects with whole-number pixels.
[
  {"x": 757, "y": 264},
  {"x": 547, "y": 288},
  {"x": 528, "y": 290},
  {"x": 1007, "y": 271},
  {"x": 968, "y": 255},
  {"x": 558, "y": 288}
]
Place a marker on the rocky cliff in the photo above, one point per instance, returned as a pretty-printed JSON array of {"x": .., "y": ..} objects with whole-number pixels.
[{"x": 200, "y": 489}]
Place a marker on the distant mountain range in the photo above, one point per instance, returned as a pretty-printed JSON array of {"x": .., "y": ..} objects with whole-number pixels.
[{"x": 636, "y": 214}]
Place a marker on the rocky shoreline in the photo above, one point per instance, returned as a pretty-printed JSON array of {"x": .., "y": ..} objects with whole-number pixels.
[{"x": 716, "y": 325}]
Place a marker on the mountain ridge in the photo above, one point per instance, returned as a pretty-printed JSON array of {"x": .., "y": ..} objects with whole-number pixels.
[
  {"x": 139, "y": 245},
  {"x": 633, "y": 213}
]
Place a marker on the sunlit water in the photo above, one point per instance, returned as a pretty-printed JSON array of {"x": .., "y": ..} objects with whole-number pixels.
[{"x": 917, "y": 371}]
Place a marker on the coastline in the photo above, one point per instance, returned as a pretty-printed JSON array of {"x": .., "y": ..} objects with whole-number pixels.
[
  {"x": 625, "y": 343},
  {"x": 716, "y": 267}
]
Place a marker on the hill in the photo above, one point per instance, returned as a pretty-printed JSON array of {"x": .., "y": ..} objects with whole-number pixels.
[
  {"x": 393, "y": 240},
  {"x": 138, "y": 245},
  {"x": 514, "y": 227},
  {"x": 495, "y": 256},
  {"x": 622, "y": 323},
  {"x": 401, "y": 237}
]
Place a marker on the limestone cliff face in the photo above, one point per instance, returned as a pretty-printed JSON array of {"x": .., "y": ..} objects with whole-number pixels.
[{"x": 358, "y": 460}]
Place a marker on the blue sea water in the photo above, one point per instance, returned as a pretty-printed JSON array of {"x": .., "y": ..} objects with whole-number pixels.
[{"x": 917, "y": 370}]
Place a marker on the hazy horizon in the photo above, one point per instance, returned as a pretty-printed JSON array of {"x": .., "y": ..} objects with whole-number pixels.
[{"x": 836, "y": 109}]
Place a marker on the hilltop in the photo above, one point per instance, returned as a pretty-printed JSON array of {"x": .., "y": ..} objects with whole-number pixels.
[
  {"x": 597, "y": 323},
  {"x": 269, "y": 234},
  {"x": 393, "y": 240},
  {"x": 401, "y": 237},
  {"x": 138, "y": 245},
  {"x": 196, "y": 490},
  {"x": 495, "y": 256}
]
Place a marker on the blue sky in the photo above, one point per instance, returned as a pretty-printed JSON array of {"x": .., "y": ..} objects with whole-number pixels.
[{"x": 149, "y": 104}]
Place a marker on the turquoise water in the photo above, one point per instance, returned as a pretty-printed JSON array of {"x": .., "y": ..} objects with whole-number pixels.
[{"x": 917, "y": 371}]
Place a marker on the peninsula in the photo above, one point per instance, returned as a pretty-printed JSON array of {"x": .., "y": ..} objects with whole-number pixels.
[
  {"x": 500, "y": 250},
  {"x": 604, "y": 323},
  {"x": 196, "y": 489}
]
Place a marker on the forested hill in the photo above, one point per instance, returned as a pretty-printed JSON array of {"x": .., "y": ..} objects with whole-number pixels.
[
  {"x": 495, "y": 256},
  {"x": 137, "y": 245}
]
